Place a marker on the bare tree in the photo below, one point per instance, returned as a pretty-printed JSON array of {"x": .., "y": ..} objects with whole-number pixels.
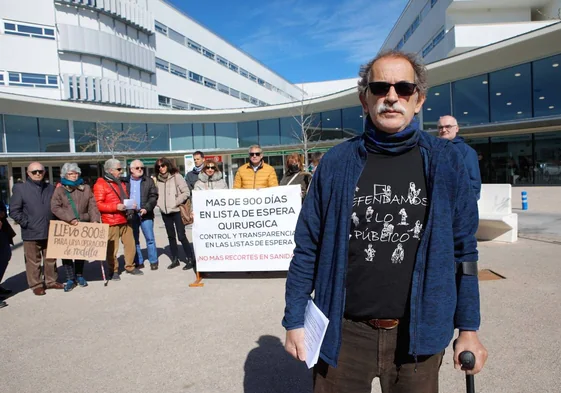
[
  {"x": 308, "y": 132},
  {"x": 115, "y": 138}
]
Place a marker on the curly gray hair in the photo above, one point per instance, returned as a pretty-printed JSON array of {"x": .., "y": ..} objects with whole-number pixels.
[
  {"x": 70, "y": 167},
  {"x": 418, "y": 67}
]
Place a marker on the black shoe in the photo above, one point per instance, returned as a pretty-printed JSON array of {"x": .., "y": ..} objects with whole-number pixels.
[
  {"x": 174, "y": 263},
  {"x": 189, "y": 264},
  {"x": 154, "y": 266},
  {"x": 4, "y": 291},
  {"x": 140, "y": 266},
  {"x": 3, "y": 304},
  {"x": 135, "y": 272}
]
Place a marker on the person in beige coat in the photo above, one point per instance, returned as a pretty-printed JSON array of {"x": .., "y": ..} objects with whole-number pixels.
[
  {"x": 74, "y": 202},
  {"x": 172, "y": 192},
  {"x": 210, "y": 177}
]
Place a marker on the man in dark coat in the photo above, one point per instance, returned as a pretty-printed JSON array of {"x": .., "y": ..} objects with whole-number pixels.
[
  {"x": 448, "y": 129},
  {"x": 30, "y": 207},
  {"x": 193, "y": 176},
  {"x": 144, "y": 192},
  {"x": 7, "y": 235}
]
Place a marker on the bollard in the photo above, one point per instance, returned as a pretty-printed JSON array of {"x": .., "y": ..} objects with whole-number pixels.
[{"x": 524, "y": 200}]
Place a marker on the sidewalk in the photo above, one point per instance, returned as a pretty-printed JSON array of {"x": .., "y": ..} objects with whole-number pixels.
[{"x": 155, "y": 334}]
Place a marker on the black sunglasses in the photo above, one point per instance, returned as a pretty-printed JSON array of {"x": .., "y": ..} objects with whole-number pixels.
[
  {"x": 401, "y": 88},
  {"x": 138, "y": 168},
  {"x": 211, "y": 167},
  {"x": 37, "y": 172},
  {"x": 118, "y": 169},
  {"x": 254, "y": 154},
  {"x": 161, "y": 166}
]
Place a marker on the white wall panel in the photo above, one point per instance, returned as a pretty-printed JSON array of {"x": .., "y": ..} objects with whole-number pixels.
[
  {"x": 88, "y": 19},
  {"x": 40, "y": 12},
  {"x": 91, "y": 65},
  {"x": 33, "y": 55},
  {"x": 66, "y": 15},
  {"x": 70, "y": 63},
  {"x": 106, "y": 24},
  {"x": 97, "y": 88}
]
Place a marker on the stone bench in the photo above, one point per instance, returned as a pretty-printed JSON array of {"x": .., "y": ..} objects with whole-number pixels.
[{"x": 497, "y": 222}]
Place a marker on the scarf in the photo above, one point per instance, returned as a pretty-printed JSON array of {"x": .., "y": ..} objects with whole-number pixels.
[
  {"x": 198, "y": 169},
  {"x": 109, "y": 177},
  {"x": 164, "y": 178},
  {"x": 380, "y": 142},
  {"x": 65, "y": 182}
]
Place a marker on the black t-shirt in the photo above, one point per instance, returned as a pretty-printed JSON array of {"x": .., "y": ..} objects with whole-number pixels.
[{"x": 387, "y": 223}]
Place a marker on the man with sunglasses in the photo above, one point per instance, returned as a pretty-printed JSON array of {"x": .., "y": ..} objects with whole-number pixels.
[
  {"x": 448, "y": 129},
  {"x": 257, "y": 173},
  {"x": 144, "y": 192},
  {"x": 30, "y": 207},
  {"x": 385, "y": 240},
  {"x": 110, "y": 194}
]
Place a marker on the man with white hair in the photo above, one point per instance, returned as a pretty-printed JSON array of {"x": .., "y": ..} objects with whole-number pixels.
[
  {"x": 386, "y": 319},
  {"x": 30, "y": 207},
  {"x": 448, "y": 129},
  {"x": 110, "y": 194},
  {"x": 144, "y": 192}
]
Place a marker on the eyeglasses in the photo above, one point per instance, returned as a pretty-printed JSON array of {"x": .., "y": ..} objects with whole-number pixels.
[
  {"x": 72, "y": 174},
  {"x": 254, "y": 154},
  {"x": 161, "y": 166},
  {"x": 401, "y": 88},
  {"x": 138, "y": 168},
  {"x": 118, "y": 169},
  {"x": 446, "y": 127},
  {"x": 37, "y": 172},
  {"x": 211, "y": 167}
]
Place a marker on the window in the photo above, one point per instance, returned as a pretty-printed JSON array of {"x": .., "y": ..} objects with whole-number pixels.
[
  {"x": 222, "y": 61},
  {"x": 1, "y": 79},
  {"x": 208, "y": 53},
  {"x": 177, "y": 37},
  {"x": 158, "y": 137},
  {"x": 269, "y": 132},
  {"x": 438, "y": 103},
  {"x": 233, "y": 67},
  {"x": 29, "y": 31},
  {"x": 510, "y": 93},
  {"x": 210, "y": 83},
  {"x": 470, "y": 99},
  {"x": 261, "y": 82},
  {"x": 164, "y": 101},
  {"x": 22, "y": 134},
  {"x": 195, "y": 77},
  {"x": 510, "y": 158},
  {"x": 32, "y": 80},
  {"x": 223, "y": 88},
  {"x": 331, "y": 127},
  {"x": 85, "y": 137},
  {"x": 433, "y": 2},
  {"x": 438, "y": 37},
  {"x": 353, "y": 121},
  {"x": 427, "y": 49},
  {"x": 179, "y": 105},
  {"x": 193, "y": 45},
  {"x": 268, "y": 86},
  {"x": 181, "y": 136},
  {"x": 244, "y": 73},
  {"x": 253, "y": 100},
  {"x": 179, "y": 71},
  {"x": 226, "y": 135},
  {"x": 162, "y": 64},
  {"x": 197, "y": 107},
  {"x": 247, "y": 133},
  {"x": 161, "y": 28},
  {"x": 547, "y": 86},
  {"x": 290, "y": 131},
  {"x": 234, "y": 93},
  {"x": 245, "y": 97},
  {"x": 547, "y": 167},
  {"x": 252, "y": 77},
  {"x": 53, "y": 135}
]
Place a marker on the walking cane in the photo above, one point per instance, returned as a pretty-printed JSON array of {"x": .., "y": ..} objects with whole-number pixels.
[
  {"x": 467, "y": 360},
  {"x": 105, "y": 282}
]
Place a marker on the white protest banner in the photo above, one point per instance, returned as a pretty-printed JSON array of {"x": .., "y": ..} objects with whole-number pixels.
[
  {"x": 87, "y": 240},
  {"x": 245, "y": 230}
]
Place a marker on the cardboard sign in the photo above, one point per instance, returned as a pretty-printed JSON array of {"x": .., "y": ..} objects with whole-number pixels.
[
  {"x": 83, "y": 241},
  {"x": 245, "y": 230}
]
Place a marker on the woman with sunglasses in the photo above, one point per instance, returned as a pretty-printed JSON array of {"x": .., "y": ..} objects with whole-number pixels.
[
  {"x": 74, "y": 202},
  {"x": 210, "y": 178},
  {"x": 172, "y": 192},
  {"x": 295, "y": 174}
]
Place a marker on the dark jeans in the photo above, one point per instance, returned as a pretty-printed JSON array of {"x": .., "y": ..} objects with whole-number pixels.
[
  {"x": 5, "y": 254},
  {"x": 367, "y": 353},
  {"x": 173, "y": 224},
  {"x": 73, "y": 268}
]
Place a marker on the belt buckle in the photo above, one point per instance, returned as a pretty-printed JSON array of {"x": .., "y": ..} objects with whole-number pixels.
[{"x": 375, "y": 323}]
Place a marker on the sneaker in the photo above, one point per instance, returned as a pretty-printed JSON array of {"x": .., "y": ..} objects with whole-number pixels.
[
  {"x": 82, "y": 281},
  {"x": 69, "y": 285},
  {"x": 116, "y": 277},
  {"x": 135, "y": 272},
  {"x": 154, "y": 266},
  {"x": 3, "y": 304}
]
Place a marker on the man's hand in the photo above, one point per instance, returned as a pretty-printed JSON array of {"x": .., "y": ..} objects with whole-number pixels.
[
  {"x": 121, "y": 207},
  {"x": 143, "y": 212},
  {"x": 74, "y": 222},
  {"x": 294, "y": 344},
  {"x": 468, "y": 341}
]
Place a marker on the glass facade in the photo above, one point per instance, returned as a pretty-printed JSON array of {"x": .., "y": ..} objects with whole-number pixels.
[
  {"x": 524, "y": 91},
  {"x": 22, "y": 134}
]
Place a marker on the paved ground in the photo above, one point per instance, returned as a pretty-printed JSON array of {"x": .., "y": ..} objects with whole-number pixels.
[{"x": 155, "y": 334}]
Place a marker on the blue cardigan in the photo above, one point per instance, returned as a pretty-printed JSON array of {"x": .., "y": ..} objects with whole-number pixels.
[
  {"x": 440, "y": 300},
  {"x": 472, "y": 164}
]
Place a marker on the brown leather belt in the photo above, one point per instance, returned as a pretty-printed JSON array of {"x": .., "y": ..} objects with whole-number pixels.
[{"x": 382, "y": 323}]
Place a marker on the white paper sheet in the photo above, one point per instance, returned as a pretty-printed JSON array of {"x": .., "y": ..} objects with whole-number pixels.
[
  {"x": 315, "y": 326},
  {"x": 129, "y": 203}
]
